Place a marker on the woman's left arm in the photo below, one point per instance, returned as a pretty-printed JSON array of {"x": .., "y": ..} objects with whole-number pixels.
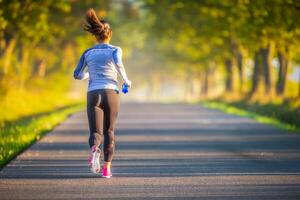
[{"x": 117, "y": 57}]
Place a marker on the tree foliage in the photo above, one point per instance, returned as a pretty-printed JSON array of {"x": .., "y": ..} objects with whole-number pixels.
[{"x": 228, "y": 33}]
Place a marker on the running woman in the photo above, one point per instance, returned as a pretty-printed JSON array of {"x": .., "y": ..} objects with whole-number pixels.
[{"x": 101, "y": 64}]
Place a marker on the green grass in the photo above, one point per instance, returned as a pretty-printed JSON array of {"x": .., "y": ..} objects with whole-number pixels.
[
  {"x": 253, "y": 111},
  {"x": 20, "y": 103},
  {"x": 18, "y": 135}
]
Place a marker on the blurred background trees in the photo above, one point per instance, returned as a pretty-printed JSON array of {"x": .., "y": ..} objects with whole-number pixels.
[
  {"x": 173, "y": 50},
  {"x": 253, "y": 44}
]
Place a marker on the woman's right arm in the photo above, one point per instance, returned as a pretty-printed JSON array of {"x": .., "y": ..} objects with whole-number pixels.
[{"x": 79, "y": 72}]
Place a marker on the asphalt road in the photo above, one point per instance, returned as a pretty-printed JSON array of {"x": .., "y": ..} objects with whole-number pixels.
[{"x": 163, "y": 151}]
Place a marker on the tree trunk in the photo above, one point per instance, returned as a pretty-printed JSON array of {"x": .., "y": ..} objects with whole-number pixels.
[
  {"x": 256, "y": 73},
  {"x": 282, "y": 73},
  {"x": 228, "y": 81},
  {"x": 187, "y": 87},
  {"x": 299, "y": 86},
  {"x": 8, "y": 57},
  {"x": 204, "y": 88},
  {"x": 239, "y": 59},
  {"x": 7, "y": 39},
  {"x": 266, "y": 65}
]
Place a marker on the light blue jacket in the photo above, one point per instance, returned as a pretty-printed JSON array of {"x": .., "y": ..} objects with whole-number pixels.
[{"x": 101, "y": 64}]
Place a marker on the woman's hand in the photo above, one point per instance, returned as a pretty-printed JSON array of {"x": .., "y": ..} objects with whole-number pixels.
[
  {"x": 128, "y": 83},
  {"x": 86, "y": 75}
]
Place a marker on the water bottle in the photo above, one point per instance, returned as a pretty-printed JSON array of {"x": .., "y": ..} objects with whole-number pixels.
[{"x": 125, "y": 88}]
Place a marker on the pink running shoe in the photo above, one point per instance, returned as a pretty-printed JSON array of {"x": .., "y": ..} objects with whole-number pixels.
[
  {"x": 94, "y": 159},
  {"x": 106, "y": 172}
]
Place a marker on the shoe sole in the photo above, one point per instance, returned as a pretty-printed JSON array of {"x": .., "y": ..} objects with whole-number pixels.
[
  {"x": 95, "y": 168},
  {"x": 106, "y": 176}
]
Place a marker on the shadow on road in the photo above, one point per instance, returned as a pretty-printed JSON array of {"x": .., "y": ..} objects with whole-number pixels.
[{"x": 164, "y": 153}]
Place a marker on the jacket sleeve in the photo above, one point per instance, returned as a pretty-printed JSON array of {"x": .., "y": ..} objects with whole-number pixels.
[
  {"x": 79, "y": 72},
  {"x": 117, "y": 57}
]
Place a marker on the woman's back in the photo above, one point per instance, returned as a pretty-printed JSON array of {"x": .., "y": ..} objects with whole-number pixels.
[{"x": 103, "y": 62}]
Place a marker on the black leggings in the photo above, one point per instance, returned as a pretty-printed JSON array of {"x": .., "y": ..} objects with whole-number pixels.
[{"x": 102, "y": 111}]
